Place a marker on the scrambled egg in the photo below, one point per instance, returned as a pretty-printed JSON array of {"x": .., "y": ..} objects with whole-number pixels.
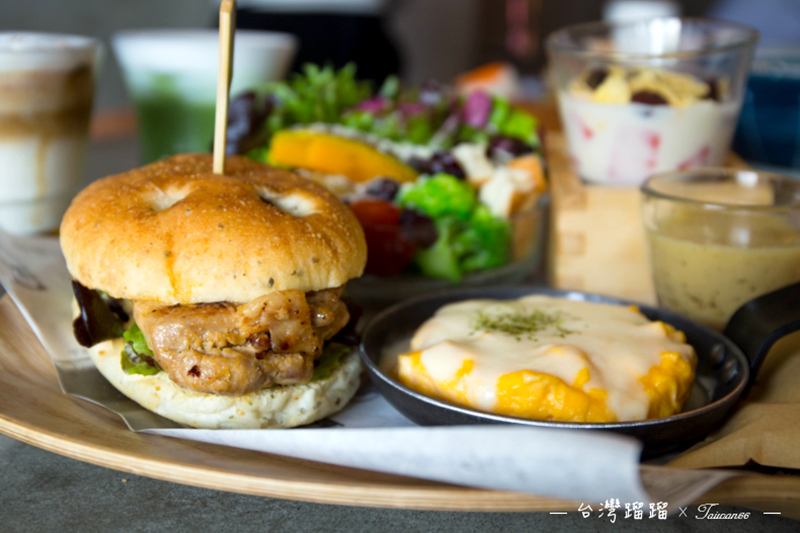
[{"x": 574, "y": 361}]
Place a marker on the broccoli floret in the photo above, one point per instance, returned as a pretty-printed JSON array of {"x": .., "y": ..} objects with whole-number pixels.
[
  {"x": 441, "y": 259},
  {"x": 439, "y": 196},
  {"x": 479, "y": 243},
  {"x": 484, "y": 243}
]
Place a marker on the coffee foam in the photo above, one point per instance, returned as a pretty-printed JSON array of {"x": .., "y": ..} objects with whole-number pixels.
[{"x": 28, "y": 52}]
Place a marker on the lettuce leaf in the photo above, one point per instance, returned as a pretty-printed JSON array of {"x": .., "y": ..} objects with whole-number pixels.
[
  {"x": 331, "y": 359},
  {"x": 137, "y": 357}
]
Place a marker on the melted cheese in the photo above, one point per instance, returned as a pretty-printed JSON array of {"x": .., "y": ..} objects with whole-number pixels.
[{"x": 602, "y": 363}]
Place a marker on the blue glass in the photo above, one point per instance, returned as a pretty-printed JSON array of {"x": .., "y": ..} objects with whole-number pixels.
[{"x": 768, "y": 131}]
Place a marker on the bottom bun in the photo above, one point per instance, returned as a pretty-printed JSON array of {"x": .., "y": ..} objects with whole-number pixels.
[{"x": 283, "y": 406}]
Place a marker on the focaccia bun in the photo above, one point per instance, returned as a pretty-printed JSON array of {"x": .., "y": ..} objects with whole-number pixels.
[
  {"x": 174, "y": 233},
  {"x": 275, "y": 407}
]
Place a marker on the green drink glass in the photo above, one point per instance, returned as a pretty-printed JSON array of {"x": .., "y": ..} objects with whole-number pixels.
[{"x": 171, "y": 76}]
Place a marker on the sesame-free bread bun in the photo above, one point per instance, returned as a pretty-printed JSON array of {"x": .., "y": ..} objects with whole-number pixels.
[
  {"x": 282, "y": 406},
  {"x": 174, "y": 233}
]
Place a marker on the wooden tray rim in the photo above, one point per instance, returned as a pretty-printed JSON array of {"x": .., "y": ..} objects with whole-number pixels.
[{"x": 355, "y": 489}]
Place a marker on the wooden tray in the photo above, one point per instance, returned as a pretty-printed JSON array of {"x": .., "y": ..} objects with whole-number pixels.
[
  {"x": 596, "y": 234},
  {"x": 34, "y": 410}
]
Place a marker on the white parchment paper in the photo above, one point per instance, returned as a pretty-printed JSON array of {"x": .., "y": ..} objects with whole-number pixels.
[{"x": 370, "y": 434}]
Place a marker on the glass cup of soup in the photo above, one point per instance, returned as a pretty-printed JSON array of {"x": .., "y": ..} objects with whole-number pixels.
[
  {"x": 171, "y": 77},
  {"x": 720, "y": 237}
]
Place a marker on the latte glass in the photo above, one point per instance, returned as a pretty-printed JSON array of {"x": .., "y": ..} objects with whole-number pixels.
[{"x": 46, "y": 91}]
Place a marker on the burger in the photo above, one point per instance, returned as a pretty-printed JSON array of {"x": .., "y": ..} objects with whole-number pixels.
[{"x": 217, "y": 300}]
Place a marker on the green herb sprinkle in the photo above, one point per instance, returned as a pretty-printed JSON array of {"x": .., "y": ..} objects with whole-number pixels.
[{"x": 520, "y": 323}]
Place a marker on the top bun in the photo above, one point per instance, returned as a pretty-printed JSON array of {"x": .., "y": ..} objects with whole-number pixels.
[{"x": 174, "y": 233}]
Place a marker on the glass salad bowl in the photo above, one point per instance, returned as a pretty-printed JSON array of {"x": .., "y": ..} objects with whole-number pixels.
[{"x": 449, "y": 187}]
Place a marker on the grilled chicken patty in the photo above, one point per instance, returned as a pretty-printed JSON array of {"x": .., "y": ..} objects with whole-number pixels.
[{"x": 225, "y": 348}]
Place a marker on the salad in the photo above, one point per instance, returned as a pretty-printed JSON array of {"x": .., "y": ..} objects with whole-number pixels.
[{"x": 436, "y": 178}]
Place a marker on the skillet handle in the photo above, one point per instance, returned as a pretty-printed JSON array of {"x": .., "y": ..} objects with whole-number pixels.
[{"x": 762, "y": 321}]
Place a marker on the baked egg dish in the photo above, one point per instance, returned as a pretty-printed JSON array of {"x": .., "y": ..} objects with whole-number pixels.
[{"x": 549, "y": 358}]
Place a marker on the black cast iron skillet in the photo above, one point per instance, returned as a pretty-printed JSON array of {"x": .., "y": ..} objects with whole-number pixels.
[{"x": 725, "y": 363}]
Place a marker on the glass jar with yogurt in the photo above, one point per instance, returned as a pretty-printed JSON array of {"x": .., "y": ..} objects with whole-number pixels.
[
  {"x": 720, "y": 237},
  {"x": 46, "y": 92},
  {"x": 650, "y": 96}
]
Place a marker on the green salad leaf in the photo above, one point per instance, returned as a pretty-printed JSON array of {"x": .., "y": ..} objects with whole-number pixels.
[
  {"x": 260, "y": 154},
  {"x": 137, "y": 357},
  {"x": 319, "y": 94},
  {"x": 330, "y": 360},
  {"x": 387, "y": 127},
  {"x": 499, "y": 113},
  {"x": 469, "y": 134},
  {"x": 431, "y": 114},
  {"x": 391, "y": 87},
  {"x": 359, "y": 120},
  {"x": 419, "y": 130},
  {"x": 520, "y": 125}
]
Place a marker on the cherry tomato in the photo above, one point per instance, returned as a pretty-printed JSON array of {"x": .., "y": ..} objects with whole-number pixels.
[
  {"x": 389, "y": 251},
  {"x": 375, "y": 212}
]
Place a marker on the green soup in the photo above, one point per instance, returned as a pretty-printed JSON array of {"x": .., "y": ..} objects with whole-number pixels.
[{"x": 171, "y": 123}]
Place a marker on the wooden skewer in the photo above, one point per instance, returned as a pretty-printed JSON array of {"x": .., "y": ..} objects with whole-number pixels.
[{"x": 227, "y": 28}]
